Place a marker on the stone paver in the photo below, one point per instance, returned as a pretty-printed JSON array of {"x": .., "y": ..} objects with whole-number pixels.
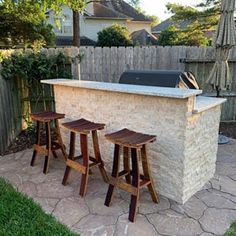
[
  {"x": 208, "y": 213},
  {"x": 70, "y": 210},
  {"x": 217, "y": 221},
  {"x": 96, "y": 225},
  {"x": 172, "y": 223}
]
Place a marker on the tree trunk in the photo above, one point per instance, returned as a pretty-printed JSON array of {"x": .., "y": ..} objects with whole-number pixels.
[{"x": 76, "y": 29}]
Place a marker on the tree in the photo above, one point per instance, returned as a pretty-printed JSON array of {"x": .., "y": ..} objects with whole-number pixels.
[
  {"x": 114, "y": 35},
  {"x": 24, "y": 22},
  {"x": 173, "y": 36},
  {"x": 155, "y": 20},
  {"x": 169, "y": 37},
  {"x": 77, "y": 7},
  {"x": 200, "y": 20},
  {"x": 32, "y": 12},
  {"x": 204, "y": 17}
]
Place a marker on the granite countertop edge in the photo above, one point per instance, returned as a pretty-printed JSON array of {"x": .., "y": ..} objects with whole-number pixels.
[
  {"x": 204, "y": 103},
  {"x": 126, "y": 88}
]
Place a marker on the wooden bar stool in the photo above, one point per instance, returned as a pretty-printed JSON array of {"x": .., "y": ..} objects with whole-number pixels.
[
  {"x": 45, "y": 118},
  {"x": 136, "y": 144},
  {"x": 84, "y": 127}
]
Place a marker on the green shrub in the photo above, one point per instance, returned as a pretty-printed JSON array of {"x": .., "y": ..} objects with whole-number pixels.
[
  {"x": 114, "y": 35},
  {"x": 32, "y": 66}
]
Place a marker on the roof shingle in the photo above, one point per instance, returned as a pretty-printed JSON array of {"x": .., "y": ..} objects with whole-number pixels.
[{"x": 118, "y": 9}]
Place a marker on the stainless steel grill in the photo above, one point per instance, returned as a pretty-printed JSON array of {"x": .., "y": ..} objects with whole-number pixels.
[{"x": 160, "y": 78}]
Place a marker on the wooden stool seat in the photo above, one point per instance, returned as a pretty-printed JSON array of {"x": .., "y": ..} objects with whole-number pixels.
[
  {"x": 84, "y": 128},
  {"x": 135, "y": 144},
  {"x": 45, "y": 118},
  {"x": 129, "y": 138}
]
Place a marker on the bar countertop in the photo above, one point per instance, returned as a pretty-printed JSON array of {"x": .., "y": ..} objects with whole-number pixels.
[
  {"x": 201, "y": 103},
  {"x": 126, "y": 88}
]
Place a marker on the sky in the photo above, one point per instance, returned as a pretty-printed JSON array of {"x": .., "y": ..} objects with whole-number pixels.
[{"x": 157, "y": 7}]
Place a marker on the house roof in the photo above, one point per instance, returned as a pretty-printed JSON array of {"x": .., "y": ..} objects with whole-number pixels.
[
  {"x": 67, "y": 41},
  {"x": 143, "y": 37},
  {"x": 169, "y": 22},
  {"x": 101, "y": 10},
  {"x": 118, "y": 9}
]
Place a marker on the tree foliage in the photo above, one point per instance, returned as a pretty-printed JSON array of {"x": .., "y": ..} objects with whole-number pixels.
[
  {"x": 114, "y": 35},
  {"x": 155, "y": 20},
  {"x": 35, "y": 66},
  {"x": 24, "y": 22},
  {"x": 204, "y": 17},
  {"x": 173, "y": 36}
]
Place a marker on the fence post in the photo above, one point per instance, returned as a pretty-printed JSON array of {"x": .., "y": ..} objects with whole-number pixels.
[{"x": 75, "y": 65}]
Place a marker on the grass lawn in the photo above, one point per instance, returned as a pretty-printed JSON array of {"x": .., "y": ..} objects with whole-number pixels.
[
  {"x": 21, "y": 216},
  {"x": 232, "y": 230}
]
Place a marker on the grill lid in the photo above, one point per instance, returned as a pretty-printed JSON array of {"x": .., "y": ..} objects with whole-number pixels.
[{"x": 160, "y": 78}]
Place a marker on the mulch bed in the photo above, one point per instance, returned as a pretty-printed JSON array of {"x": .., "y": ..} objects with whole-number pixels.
[
  {"x": 27, "y": 137},
  {"x": 25, "y": 140}
]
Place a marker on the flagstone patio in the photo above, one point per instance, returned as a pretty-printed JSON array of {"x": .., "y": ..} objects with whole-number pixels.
[{"x": 209, "y": 212}]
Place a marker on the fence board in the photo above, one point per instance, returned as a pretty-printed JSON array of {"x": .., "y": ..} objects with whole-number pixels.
[
  {"x": 106, "y": 64},
  {"x": 10, "y": 121},
  {"x": 114, "y": 65}
]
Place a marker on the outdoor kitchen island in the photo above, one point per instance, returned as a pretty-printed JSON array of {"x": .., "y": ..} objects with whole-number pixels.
[{"x": 186, "y": 125}]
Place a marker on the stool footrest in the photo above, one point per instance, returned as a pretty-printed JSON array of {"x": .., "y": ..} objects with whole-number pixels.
[
  {"x": 43, "y": 150},
  {"x": 76, "y": 166},
  {"x": 93, "y": 159},
  {"x": 123, "y": 173},
  {"x": 78, "y": 157},
  {"x": 40, "y": 149},
  {"x": 124, "y": 186},
  {"x": 144, "y": 183},
  {"x": 94, "y": 164}
]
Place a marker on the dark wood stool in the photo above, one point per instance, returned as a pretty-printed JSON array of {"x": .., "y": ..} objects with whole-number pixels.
[
  {"x": 45, "y": 118},
  {"x": 84, "y": 127},
  {"x": 136, "y": 144}
]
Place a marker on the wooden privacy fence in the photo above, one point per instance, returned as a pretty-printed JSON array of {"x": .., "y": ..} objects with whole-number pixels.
[
  {"x": 107, "y": 65},
  {"x": 10, "y": 113}
]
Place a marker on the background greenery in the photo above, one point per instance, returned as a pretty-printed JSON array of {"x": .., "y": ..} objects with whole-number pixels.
[{"x": 114, "y": 35}]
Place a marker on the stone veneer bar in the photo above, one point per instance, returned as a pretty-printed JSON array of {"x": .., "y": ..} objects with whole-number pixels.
[{"x": 186, "y": 125}]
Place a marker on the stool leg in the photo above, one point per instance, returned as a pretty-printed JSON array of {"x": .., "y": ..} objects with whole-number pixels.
[
  {"x": 71, "y": 157},
  {"x": 59, "y": 138},
  {"x": 115, "y": 173},
  {"x": 98, "y": 156},
  {"x": 37, "y": 142},
  {"x": 55, "y": 154},
  {"x": 147, "y": 175},
  {"x": 85, "y": 154},
  {"x": 48, "y": 147},
  {"x": 126, "y": 164},
  {"x": 135, "y": 182}
]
